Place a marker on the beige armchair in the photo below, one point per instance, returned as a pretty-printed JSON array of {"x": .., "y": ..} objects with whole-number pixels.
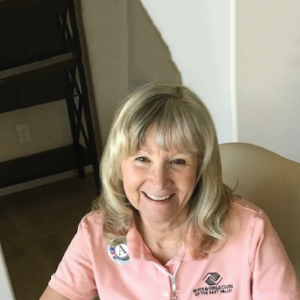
[{"x": 271, "y": 182}]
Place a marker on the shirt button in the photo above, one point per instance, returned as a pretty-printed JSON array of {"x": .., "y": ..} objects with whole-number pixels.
[{"x": 165, "y": 294}]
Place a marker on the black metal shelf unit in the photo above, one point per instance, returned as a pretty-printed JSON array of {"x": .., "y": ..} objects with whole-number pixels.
[{"x": 41, "y": 62}]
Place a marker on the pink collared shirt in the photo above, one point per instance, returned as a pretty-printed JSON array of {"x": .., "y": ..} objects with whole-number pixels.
[{"x": 250, "y": 265}]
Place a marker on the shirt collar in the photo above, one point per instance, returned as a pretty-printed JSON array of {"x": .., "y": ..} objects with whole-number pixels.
[{"x": 139, "y": 250}]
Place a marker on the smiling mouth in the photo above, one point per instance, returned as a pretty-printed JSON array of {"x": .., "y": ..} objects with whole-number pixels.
[{"x": 158, "y": 198}]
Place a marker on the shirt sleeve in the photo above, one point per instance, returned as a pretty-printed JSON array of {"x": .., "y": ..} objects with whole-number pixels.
[
  {"x": 74, "y": 277},
  {"x": 273, "y": 274}
]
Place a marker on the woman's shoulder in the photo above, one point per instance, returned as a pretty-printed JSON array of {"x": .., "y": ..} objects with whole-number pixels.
[
  {"x": 245, "y": 208},
  {"x": 91, "y": 222},
  {"x": 247, "y": 217}
]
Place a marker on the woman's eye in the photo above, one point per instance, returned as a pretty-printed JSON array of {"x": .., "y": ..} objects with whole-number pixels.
[
  {"x": 178, "y": 162},
  {"x": 142, "y": 159}
]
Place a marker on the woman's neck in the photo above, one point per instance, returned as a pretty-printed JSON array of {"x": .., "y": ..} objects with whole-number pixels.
[{"x": 164, "y": 240}]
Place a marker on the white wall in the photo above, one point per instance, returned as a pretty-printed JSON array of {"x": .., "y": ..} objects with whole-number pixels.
[
  {"x": 268, "y": 74},
  {"x": 198, "y": 35},
  {"x": 266, "y": 110},
  {"x": 6, "y": 291}
]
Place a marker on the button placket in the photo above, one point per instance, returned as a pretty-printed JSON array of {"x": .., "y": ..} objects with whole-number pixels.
[
  {"x": 168, "y": 283},
  {"x": 165, "y": 294}
]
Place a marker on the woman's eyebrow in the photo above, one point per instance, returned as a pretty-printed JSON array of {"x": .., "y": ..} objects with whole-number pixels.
[{"x": 144, "y": 149}]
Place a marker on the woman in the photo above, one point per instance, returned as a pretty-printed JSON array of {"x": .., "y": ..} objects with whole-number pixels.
[{"x": 165, "y": 226}]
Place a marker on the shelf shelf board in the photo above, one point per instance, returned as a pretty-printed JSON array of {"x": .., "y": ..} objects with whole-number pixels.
[
  {"x": 63, "y": 59},
  {"x": 42, "y": 164}
]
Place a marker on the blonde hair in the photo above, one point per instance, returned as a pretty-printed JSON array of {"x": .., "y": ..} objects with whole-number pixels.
[{"x": 182, "y": 121}]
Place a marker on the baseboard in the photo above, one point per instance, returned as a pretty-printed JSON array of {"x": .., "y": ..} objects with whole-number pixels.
[{"x": 41, "y": 181}]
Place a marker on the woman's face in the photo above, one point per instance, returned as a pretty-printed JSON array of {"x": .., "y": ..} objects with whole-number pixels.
[{"x": 159, "y": 183}]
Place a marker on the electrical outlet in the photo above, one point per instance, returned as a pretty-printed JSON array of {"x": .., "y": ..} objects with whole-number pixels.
[{"x": 23, "y": 133}]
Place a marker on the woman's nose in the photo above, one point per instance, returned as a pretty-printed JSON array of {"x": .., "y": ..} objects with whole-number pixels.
[{"x": 160, "y": 176}]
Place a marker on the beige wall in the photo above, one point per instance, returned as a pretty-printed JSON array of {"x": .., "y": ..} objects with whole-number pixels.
[
  {"x": 123, "y": 50},
  {"x": 48, "y": 124},
  {"x": 149, "y": 57},
  {"x": 105, "y": 30}
]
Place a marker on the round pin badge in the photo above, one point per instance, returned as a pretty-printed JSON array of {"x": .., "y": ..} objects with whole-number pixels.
[{"x": 118, "y": 251}]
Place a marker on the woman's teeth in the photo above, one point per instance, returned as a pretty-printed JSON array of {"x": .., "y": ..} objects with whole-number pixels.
[{"x": 158, "y": 198}]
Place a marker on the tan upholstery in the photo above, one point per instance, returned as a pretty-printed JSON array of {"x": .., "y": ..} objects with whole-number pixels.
[{"x": 272, "y": 183}]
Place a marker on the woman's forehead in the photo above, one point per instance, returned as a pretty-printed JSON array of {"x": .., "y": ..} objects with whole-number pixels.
[
  {"x": 152, "y": 143},
  {"x": 167, "y": 138}
]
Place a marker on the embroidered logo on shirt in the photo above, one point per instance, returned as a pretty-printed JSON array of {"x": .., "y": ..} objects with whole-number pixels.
[
  {"x": 118, "y": 251},
  {"x": 212, "y": 287},
  {"x": 213, "y": 278}
]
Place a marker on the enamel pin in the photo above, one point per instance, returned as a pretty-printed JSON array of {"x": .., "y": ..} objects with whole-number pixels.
[{"x": 118, "y": 251}]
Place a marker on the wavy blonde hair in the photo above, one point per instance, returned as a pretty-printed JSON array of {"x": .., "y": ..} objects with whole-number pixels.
[{"x": 183, "y": 121}]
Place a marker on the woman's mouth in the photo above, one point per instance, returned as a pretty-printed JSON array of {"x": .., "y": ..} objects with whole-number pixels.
[{"x": 158, "y": 198}]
